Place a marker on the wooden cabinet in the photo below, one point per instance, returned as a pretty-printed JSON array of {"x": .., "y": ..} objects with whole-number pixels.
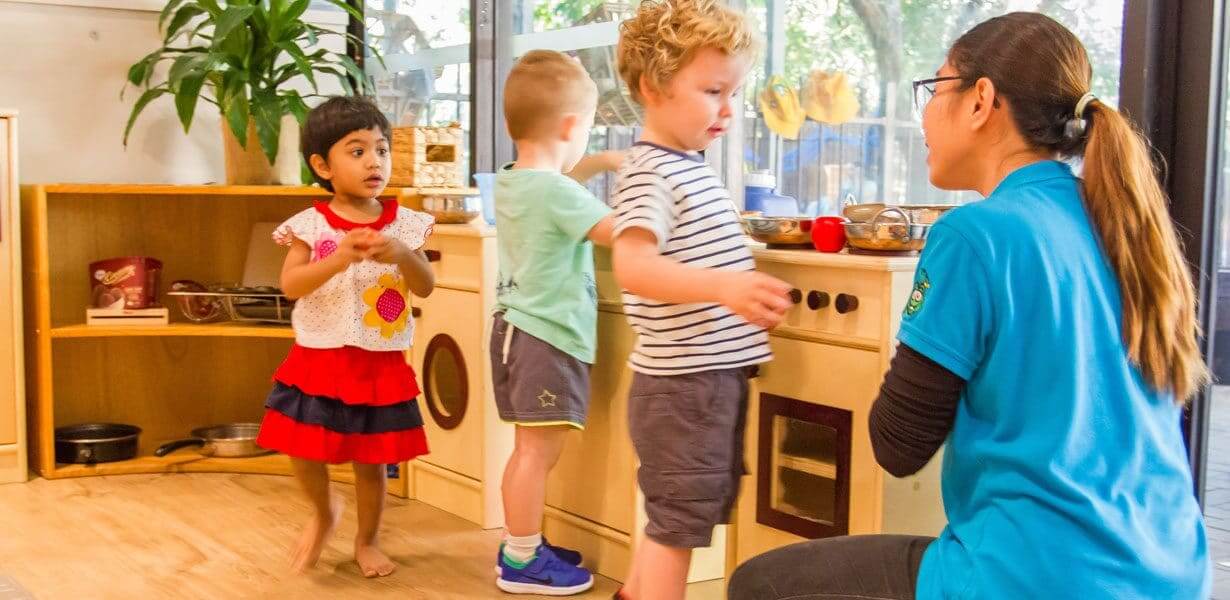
[
  {"x": 12, "y": 375},
  {"x": 165, "y": 379}
]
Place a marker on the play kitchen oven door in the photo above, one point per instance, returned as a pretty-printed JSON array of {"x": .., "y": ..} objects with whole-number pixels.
[{"x": 803, "y": 469}]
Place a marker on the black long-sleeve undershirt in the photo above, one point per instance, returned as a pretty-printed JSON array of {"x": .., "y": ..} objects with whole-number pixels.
[{"x": 913, "y": 415}]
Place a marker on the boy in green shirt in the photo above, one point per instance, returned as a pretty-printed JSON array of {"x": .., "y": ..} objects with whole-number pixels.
[{"x": 543, "y": 333}]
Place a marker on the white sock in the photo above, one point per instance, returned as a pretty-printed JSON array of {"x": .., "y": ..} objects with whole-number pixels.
[{"x": 522, "y": 549}]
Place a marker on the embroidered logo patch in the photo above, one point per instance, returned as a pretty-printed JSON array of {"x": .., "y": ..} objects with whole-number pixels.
[{"x": 919, "y": 294}]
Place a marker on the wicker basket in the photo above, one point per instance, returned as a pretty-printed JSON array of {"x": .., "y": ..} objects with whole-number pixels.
[{"x": 428, "y": 156}]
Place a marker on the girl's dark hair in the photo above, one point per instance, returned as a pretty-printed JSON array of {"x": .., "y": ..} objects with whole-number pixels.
[
  {"x": 1042, "y": 70},
  {"x": 333, "y": 120}
]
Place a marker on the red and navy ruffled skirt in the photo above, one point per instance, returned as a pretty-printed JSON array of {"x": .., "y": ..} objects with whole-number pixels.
[{"x": 344, "y": 404}]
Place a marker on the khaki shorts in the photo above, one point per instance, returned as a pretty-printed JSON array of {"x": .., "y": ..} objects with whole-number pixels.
[
  {"x": 688, "y": 435},
  {"x": 534, "y": 382}
]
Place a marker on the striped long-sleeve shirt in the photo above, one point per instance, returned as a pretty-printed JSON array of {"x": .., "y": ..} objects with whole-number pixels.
[{"x": 680, "y": 200}]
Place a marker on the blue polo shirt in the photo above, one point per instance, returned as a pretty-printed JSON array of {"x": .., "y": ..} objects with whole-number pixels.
[{"x": 1065, "y": 474}]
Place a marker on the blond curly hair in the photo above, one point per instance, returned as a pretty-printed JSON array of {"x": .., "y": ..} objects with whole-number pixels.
[{"x": 664, "y": 35}]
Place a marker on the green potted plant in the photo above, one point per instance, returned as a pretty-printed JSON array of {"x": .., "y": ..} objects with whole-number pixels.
[{"x": 242, "y": 56}]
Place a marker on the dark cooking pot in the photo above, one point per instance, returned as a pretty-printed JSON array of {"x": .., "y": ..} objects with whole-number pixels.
[{"x": 89, "y": 443}]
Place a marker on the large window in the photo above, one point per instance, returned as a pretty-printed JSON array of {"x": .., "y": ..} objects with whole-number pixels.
[
  {"x": 876, "y": 153},
  {"x": 425, "y": 75},
  {"x": 588, "y": 30}
]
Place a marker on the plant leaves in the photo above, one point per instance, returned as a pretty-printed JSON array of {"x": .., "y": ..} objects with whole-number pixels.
[
  {"x": 186, "y": 98},
  {"x": 342, "y": 78},
  {"x": 140, "y": 73},
  {"x": 296, "y": 106},
  {"x": 267, "y": 113},
  {"x": 166, "y": 12},
  {"x": 232, "y": 18},
  {"x": 145, "y": 99},
  {"x": 186, "y": 64},
  {"x": 301, "y": 61},
  {"x": 289, "y": 20},
  {"x": 211, "y": 6},
  {"x": 360, "y": 78},
  {"x": 342, "y": 4},
  {"x": 236, "y": 113},
  {"x": 181, "y": 18}
]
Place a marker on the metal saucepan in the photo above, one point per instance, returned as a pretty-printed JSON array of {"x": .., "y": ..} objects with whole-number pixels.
[
  {"x": 779, "y": 231},
  {"x": 235, "y": 440},
  {"x": 89, "y": 443},
  {"x": 884, "y": 234}
]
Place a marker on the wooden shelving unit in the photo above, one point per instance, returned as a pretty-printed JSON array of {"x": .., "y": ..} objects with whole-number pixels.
[
  {"x": 166, "y": 379},
  {"x": 173, "y": 330}
]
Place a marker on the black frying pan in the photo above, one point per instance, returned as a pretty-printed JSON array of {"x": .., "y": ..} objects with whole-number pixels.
[{"x": 89, "y": 443}]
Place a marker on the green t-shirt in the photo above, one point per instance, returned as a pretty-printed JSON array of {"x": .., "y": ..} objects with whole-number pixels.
[{"x": 546, "y": 283}]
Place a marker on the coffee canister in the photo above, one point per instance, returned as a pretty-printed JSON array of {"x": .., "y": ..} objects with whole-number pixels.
[{"x": 124, "y": 282}]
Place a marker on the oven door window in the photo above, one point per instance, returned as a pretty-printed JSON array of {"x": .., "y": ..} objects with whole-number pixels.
[
  {"x": 446, "y": 383},
  {"x": 804, "y": 467}
]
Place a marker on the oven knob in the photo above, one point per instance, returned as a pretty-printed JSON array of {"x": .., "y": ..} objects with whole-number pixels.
[
  {"x": 846, "y": 303},
  {"x": 796, "y": 295},
  {"x": 817, "y": 300}
]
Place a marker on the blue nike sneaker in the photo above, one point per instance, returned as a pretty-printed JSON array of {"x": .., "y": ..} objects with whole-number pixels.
[
  {"x": 567, "y": 555},
  {"x": 545, "y": 574}
]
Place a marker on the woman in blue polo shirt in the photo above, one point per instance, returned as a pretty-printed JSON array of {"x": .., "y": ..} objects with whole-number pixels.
[{"x": 1050, "y": 339}]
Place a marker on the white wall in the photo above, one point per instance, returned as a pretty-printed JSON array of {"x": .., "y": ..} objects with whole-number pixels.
[{"x": 62, "y": 66}]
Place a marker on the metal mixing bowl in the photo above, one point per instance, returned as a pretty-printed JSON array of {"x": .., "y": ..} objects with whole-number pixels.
[
  {"x": 887, "y": 237},
  {"x": 922, "y": 214},
  {"x": 453, "y": 209},
  {"x": 791, "y": 231},
  {"x": 888, "y": 230}
]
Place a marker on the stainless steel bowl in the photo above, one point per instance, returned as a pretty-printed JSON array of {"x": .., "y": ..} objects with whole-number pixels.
[
  {"x": 779, "y": 231},
  {"x": 888, "y": 230},
  {"x": 922, "y": 214},
  {"x": 887, "y": 237},
  {"x": 453, "y": 209}
]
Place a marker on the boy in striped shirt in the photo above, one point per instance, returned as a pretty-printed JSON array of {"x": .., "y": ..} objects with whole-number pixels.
[{"x": 691, "y": 292}]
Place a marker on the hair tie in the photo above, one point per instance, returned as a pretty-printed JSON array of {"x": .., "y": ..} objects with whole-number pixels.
[
  {"x": 1083, "y": 104},
  {"x": 1075, "y": 128}
]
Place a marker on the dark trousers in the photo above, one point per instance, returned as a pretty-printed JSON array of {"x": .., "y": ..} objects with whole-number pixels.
[{"x": 866, "y": 567}]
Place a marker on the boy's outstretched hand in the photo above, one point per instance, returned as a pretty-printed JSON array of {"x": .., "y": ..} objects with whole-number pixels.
[{"x": 759, "y": 298}]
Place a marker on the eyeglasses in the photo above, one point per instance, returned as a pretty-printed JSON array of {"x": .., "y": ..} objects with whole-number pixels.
[{"x": 924, "y": 90}]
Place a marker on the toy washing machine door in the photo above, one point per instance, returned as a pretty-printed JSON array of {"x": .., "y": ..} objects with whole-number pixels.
[
  {"x": 445, "y": 381},
  {"x": 448, "y": 358}
]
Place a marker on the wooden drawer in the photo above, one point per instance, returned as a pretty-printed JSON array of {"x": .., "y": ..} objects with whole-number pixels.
[
  {"x": 821, "y": 373},
  {"x": 456, "y": 259},
  {"x": 849, "y": 303}
]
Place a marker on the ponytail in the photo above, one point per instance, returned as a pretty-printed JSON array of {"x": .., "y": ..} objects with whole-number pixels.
[{"x": 1128, "y": 210}]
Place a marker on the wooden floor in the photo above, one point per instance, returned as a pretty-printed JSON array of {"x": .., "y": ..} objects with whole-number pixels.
[{"x": 227, "y": 536}]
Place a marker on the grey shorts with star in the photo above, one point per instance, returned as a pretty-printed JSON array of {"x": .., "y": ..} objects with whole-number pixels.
[
  {"x": 535, "y": 383},
  {"x": 688, "y": 435}
]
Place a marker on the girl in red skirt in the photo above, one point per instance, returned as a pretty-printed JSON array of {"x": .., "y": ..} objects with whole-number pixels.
[{"x": 345, "y": 392}]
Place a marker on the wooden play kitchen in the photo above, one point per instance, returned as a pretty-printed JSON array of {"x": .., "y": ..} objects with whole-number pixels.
[{"x": 166, "y": 379}]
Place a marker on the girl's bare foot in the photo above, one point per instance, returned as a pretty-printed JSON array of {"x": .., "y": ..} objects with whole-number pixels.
[
  {"x": 373, "y": 562},
  {"x": 317, "y": 530}
]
